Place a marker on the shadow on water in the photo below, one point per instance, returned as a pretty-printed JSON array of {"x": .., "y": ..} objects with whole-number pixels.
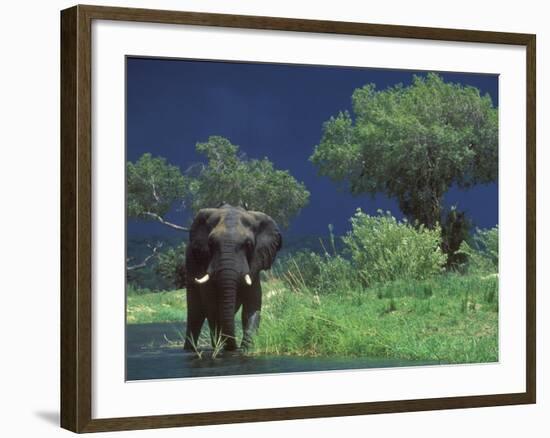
[{"x": 151, "y": 355}]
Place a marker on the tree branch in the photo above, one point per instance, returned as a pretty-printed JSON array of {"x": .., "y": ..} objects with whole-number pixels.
[
  {"x": 165, "y": 222},
  {"x": 155, "y": 195},
  {"x": 143, "y": 264}
]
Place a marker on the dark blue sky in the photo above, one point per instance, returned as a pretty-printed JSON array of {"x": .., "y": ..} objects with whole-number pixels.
[{"x": 270, "y": 110}]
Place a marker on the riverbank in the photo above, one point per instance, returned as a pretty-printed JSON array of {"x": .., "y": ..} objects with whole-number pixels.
[
  {"x": 151, "y": 354},
  {"x": 450, "y": 318}
]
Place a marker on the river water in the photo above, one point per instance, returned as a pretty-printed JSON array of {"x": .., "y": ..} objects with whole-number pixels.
[{"x": 150, "y": 354}]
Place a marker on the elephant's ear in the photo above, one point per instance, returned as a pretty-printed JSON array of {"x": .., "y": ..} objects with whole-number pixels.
[
  {"x": 268, "y": 242},
  {"x": 198, "y": 253}
]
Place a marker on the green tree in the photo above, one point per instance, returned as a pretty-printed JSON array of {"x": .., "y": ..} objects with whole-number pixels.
[
  {"x": 171, "y": 265},
  {"x": 232, "y": 177},
  {"x": 153, "y": 186},
  {"x": 412, "y": 143}
]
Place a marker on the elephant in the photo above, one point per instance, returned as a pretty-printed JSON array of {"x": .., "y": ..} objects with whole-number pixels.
[{"x": 228, "y": 247}]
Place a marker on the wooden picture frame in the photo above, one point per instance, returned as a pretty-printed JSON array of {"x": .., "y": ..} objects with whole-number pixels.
[{"x": 76, "y": 218}]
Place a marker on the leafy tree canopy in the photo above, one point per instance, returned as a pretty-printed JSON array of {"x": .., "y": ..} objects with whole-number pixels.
[
  {"x": 152, "y": 187},
  {"x": 412, "y": 143},
  {"x": 232, "y": 177}
]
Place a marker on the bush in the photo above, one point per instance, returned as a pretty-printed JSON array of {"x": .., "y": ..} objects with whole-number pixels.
[
  {"x": 133, "y": 290},
  {"x": 171, "y": 265},
  {"x": 320, "y": 274},
  {"x": 301, "y": 269},
  {"x": 384, "y": 249},
  {"x": 482, "y": 251},
  {"x": 337, "y": 275}
]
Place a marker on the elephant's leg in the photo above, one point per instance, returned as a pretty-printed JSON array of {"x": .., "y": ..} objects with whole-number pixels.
[
  {"x": 252, "y": 304},
  {"x": 214, "y": 331},
  {"x": 195, "y": 319}
]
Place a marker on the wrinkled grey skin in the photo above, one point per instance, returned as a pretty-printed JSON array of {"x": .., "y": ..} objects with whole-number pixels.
[{"x": 227, "y": 243}]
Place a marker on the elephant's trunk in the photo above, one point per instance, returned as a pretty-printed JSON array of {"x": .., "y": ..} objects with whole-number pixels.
[{"x": 227, "y": 282}]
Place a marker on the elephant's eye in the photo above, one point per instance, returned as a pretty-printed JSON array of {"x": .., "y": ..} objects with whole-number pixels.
[{"x": 248, "y": 244}]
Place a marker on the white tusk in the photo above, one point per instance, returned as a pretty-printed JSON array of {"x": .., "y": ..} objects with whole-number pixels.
[
  {"x": 203, "y": 279},
  {"x": 248, "y": 280}
]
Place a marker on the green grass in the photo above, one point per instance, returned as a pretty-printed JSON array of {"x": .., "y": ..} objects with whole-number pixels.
[
  {"x": 156, "y": 307},
  {"x": 450, "y": 318}
]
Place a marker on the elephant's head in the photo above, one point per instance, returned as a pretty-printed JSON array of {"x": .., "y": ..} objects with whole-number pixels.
[{"x": 228, "y": 247}]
